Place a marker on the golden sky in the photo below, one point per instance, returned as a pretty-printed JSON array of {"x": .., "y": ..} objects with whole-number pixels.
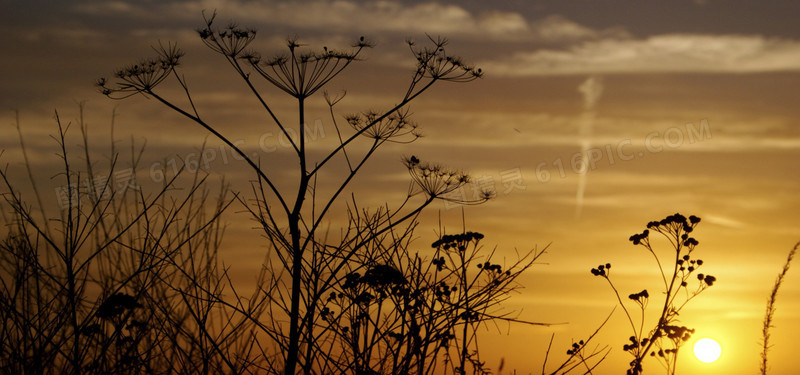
[{"x": 682, "y": 106}]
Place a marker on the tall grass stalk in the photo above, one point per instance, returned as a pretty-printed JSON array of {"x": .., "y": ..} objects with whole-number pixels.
[{"x": 769, "y": 315}]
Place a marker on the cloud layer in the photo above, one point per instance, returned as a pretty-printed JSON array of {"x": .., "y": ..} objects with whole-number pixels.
[
  {"x": 549, "y": 45},
  {"x": 375, "y": 17},
  {"x": 669, "y": 53}
]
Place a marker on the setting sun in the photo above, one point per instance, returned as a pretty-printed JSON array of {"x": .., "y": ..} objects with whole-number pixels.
[{"x": 707, "y": 350}]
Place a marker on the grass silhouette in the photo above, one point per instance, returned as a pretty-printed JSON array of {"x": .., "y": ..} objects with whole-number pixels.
[
  {"x": 95, "y": 287},
  {"x": 770, "y": 313}
]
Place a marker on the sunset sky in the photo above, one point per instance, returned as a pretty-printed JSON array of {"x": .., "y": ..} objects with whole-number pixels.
[{"x": 683, "y": 106}]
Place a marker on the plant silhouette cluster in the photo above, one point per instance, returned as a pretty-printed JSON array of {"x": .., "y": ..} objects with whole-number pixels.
[
  {"x": 358, "y": 301},
  {"x": 140, "y": 291},
  {"x": 666, "y": 337},
  {"x": 407, "y": 314},
  {"x": 110, "y": 283},
  {"x": 124, "y": 281}
]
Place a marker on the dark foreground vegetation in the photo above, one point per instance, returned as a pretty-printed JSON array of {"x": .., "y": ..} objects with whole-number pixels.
[{"x": 123, "y": 278}]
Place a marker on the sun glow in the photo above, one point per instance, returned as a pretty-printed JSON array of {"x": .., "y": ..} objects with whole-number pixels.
[{"x": 707, "y": 350}]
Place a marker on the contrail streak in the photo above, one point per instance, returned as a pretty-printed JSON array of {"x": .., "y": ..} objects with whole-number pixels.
[{"x": 592, "y": 89}]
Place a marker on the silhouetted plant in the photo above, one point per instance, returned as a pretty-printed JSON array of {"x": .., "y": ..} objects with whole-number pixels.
[
  {"x": 307, "y": 266},
  {"x": 579, "y": 357},
  {"x": 87, "y": 290},
  {"x": 666, "y": 337},
  {"x": 407, "y": 314},
  {"x": 769, "y": 314}
]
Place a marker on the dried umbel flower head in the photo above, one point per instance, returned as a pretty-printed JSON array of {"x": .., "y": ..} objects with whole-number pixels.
[
  {"x": 602, "y": 270},
  {"x": 640, "y": 237},
  {"x": 433, "y": 180},
  {"x": 675, "y": 224},
  {"x": 576, "y": 347},
  {"x": 641, "y": 298},
  {"x": 116, "y": 304},
  {"x": 230, "y": 41},
  {"x": 457, "y": 241},
  {"x": 433, "y": 62},
  {"x": 144, "y": 76},
  {"x": 677, "y": 333},
  {"x": 386, "y": 128},
  {"x": 676, "y": 228},
  {"x": 302, "y": 73},
  {"x": 382, "y": 275}
]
